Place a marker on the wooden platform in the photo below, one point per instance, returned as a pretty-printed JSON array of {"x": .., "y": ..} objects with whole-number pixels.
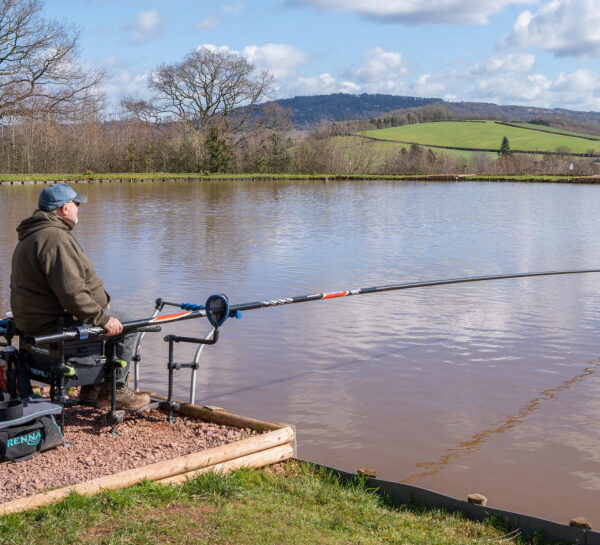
[{"x": 276, "y": 442}]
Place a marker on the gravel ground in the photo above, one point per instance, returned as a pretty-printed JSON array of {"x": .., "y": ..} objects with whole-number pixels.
[{"x": 94, "y": 451}]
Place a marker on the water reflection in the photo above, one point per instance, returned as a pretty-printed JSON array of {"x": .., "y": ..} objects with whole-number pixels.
[
  {"x": 475, "y": 442},
  {"x": 385, "y": 380}
]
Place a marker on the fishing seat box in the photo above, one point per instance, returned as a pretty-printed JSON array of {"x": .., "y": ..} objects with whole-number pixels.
[{"x": 86, "y": 358}]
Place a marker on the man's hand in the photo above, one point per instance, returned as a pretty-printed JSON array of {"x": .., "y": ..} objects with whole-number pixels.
[{"x": 113, "y": 326}]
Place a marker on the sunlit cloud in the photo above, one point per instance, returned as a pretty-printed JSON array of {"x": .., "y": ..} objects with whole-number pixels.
[
  {"x": 566, "y": 27},
  {"x": 220, "y": 18},
  {"x": 207, "y": 24},
  {"x": 513, "y": 62},
  {"x": 146, "y": 27},
  {"x": 457, "y": 12},
  {"x": 279, "y": 59}
]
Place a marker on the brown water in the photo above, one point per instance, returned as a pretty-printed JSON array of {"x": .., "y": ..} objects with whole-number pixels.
[{"x": 491, "y": 387}]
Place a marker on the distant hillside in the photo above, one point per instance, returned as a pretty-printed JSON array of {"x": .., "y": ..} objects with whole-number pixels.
[{"x": 311, "y": 110}]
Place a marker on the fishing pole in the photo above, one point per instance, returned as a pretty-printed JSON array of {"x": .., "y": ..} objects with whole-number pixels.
[{"x": 217, "y": 308}]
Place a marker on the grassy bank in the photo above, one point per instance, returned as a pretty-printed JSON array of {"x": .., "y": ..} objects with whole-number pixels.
[
  {"x": 290, "y": 504},
  {"x": 165, "y": 176}
]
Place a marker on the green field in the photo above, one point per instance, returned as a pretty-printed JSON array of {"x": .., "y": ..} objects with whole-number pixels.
[
  {"x": 558, "y": 130},
  {"x": 381, "y": 150},
  {"x": 486, "y": 135}
]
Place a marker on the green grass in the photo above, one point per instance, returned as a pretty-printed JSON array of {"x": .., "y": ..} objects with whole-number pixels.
[
  {"x": 296, "y": 177},
  {"x": 342, "y": 177},
  {"x": 76, "y": 177},
  {"x": 545, "y": 128},
  {"x": 297, "y": 504},
  {"x": 483, "y": 135}
]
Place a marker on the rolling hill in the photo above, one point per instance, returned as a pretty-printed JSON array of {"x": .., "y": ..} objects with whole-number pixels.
[{"x": 308, "y": 111}]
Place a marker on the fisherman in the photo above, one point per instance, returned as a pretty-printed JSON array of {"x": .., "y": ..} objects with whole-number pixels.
[{"x": 52, "y": 279}]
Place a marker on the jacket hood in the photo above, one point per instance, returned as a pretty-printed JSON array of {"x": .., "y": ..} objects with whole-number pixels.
[{"x": 40, "y": 220}]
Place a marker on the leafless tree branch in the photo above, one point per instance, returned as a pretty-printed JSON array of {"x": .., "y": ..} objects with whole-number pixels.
[{"x": 40, "y": 75}]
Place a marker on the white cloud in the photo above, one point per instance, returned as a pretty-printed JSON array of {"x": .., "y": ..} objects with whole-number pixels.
[
  {"x": 206, "y": 24},
  {"x": 217, "y": 20},
  {"x": 126, "y": 84},
  {"x": 380, "y": 71},
  {"x": 427, "y": 85},
  {"x": 218, "y": 48},
  {"x": 505, "y": 80},
  {"x": 146, "y": 27},
  {"x": 513, "y": 62},
  {"x": 380, "y": 65},
  {"x": 567, "y": 27},
  {"x": 416, "y": 11},
  {"x": 579, "y": 89},
  {"x": 513, "y": 88},
  {"x": 233, "y": 8},
  {"x": 279, "y": 59},
  {"x": 322, "y": 84}
]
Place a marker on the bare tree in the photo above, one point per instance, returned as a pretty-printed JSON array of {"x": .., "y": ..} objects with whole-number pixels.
[
  {"x": 40, "y": 74},
  {"x": 141, "y": 110},
  {"x": 208, "y": 89}
]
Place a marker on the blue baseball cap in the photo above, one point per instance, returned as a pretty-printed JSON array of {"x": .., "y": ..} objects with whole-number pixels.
[{"x": 55, "y": 195}]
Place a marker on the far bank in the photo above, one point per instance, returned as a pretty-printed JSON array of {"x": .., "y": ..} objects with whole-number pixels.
[{"x": 22, "y": 179}]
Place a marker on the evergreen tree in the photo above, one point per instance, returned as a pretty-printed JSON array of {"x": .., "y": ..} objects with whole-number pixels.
[
  {"x": 218, "y": 153},
  {"x": 505, "y": 148}
]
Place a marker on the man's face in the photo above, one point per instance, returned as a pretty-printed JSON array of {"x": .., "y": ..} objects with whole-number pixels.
[{"x": 70, "y": 211}]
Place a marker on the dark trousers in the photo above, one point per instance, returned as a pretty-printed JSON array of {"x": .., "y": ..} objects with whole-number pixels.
[{"x": 123, "y": 345}]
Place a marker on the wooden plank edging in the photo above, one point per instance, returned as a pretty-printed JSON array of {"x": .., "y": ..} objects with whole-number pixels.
[
  {"x": 157, "y": 471},
  {"x": 258, "y": 459},
  {"x": 221, "y": 416}
]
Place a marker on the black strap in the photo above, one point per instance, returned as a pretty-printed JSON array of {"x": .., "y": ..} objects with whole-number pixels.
[{"x": 11, "y": 410}]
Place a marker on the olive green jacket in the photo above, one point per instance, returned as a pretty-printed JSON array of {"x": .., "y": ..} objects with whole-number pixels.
[{"x": 52, "y": 278}]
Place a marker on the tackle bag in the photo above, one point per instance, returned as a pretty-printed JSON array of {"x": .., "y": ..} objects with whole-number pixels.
[{"x": 28, "y": 429}]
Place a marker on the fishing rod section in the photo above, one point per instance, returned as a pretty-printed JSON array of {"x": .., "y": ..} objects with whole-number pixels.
[{"x": 217, "y": 308}]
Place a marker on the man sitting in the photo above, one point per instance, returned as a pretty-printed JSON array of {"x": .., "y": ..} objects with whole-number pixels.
[{"x": 53, "y": 279}]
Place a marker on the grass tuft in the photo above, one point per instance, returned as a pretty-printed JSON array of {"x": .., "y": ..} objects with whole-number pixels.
[{"x": 213, "y": 486}]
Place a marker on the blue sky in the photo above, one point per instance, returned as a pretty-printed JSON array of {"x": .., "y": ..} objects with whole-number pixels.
[{"x": 539, "y": 53}]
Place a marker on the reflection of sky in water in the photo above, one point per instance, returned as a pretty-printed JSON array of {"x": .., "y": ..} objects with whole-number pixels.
[{"x": 494, "y": 373}]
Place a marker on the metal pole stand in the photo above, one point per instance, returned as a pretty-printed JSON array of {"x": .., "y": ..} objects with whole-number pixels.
[
  {"x": 171, "y": 405},
  {"x": 116, "y": 416}
]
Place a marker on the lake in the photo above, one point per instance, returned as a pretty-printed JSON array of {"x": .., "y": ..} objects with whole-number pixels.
[{"x": 491, "y": 387}]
